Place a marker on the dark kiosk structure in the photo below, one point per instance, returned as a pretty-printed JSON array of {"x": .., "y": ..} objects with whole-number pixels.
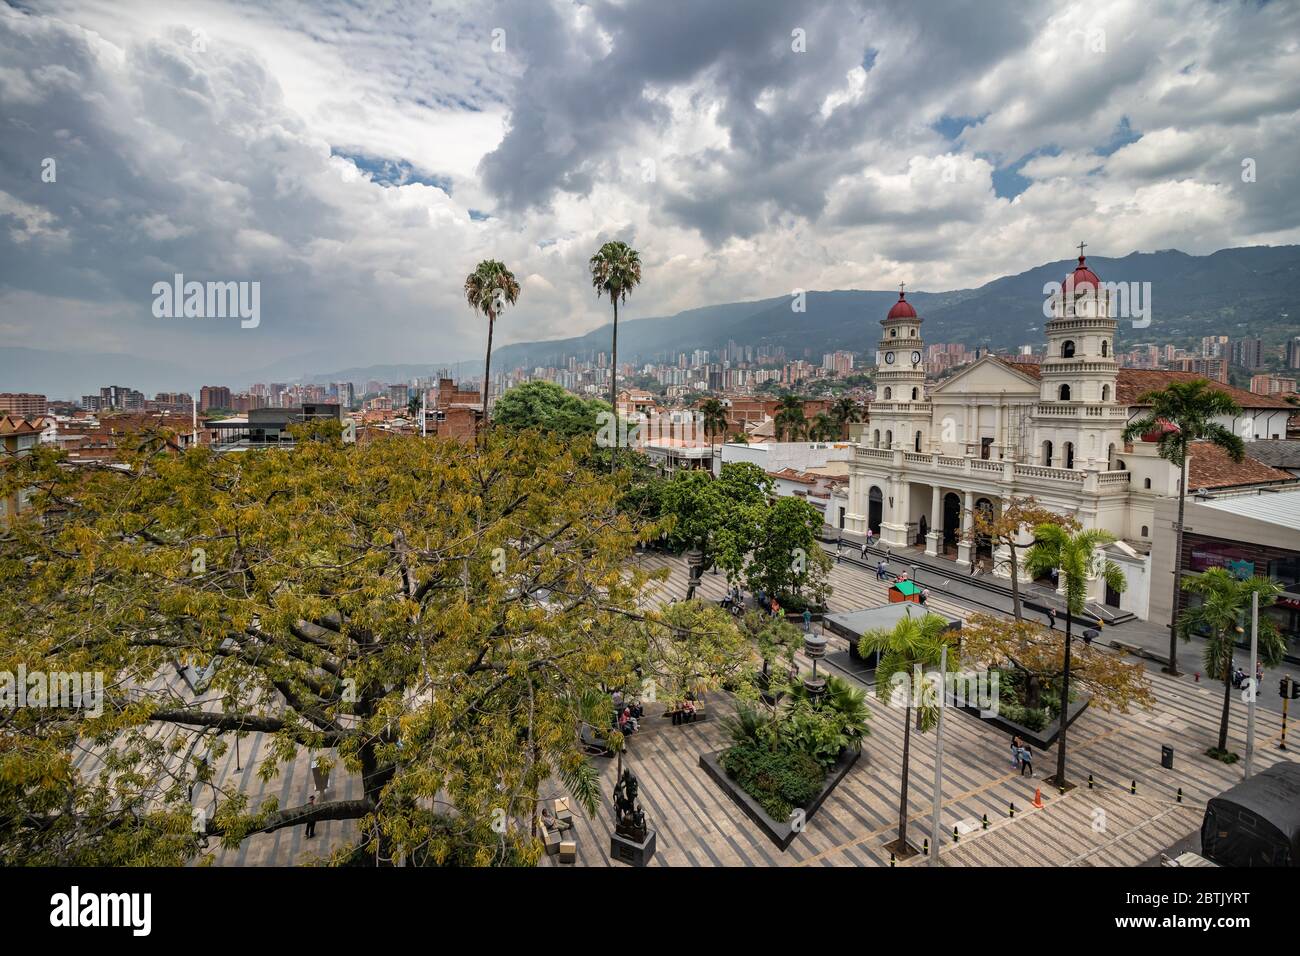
[{"x": 1256, "y": 822}]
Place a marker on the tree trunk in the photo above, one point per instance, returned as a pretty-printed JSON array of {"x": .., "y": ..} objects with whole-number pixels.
[
  {"x": 487, "y": 372},
  {"x": 902, "y": 796},
  {"x": 1065, "y": 696},
  {"x": 1227, "y": 692},
  {"x": 1172, "y": 668},
  {"x": 1015, "y": 580},
  {"x": 613, "y": 384}
]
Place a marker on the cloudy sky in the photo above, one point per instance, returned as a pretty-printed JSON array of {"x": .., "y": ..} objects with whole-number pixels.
[{"x": 358, "y": 158}]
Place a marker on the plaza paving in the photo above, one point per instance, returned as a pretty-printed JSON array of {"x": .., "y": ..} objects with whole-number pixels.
[{"x": 699, "y": 825}]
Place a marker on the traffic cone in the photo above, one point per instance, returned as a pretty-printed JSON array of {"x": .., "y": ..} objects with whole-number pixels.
[{"x": 1038, "y": 798}]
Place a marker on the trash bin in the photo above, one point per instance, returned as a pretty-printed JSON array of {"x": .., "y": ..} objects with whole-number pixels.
[{"x": 1167, "y": 756}]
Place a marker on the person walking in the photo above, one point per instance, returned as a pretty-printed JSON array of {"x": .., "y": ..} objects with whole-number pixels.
[
  {"x": 1015, "y": 751},
  {"x": 1026, "y": 761},
  {"x": 871, "y": 538},
  {"x": 880, "y": 570},
  {"x": 311, "y": 824},
  {"x": 925, "y": 596},
  {"x": 807, "y": 620},
  {"x": 1051, "y": 618}
]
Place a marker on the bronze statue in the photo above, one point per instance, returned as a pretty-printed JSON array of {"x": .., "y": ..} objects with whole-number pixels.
[{"x": 629, "y": 817}]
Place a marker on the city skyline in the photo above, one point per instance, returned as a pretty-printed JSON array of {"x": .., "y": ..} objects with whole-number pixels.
[{"x": 813, "y": 139}]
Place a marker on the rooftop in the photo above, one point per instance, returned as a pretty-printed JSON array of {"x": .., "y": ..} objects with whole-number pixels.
[
  {"x": 1209, "y": 466},
  {"x": 1275, "y": 507}
]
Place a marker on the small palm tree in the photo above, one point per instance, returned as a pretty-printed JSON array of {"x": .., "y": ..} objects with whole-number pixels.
[
  {"x": 1071, "y": 554},
  {"x": 615, "y": 271},
  {"x": 1225, "y": 603},
  {"x": 713, "y": 418},
  {"x": 489, "y": 289},
  {"x": 790, "y": 421},
  {"x": 913, "y": 644},
  {"x": 846, "y": 411},
  {"x": 1181, "y": 413}
]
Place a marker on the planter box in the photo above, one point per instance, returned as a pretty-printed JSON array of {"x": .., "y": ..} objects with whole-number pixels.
[
  {"x": 1041, "y": 739},
  {"x": 778, "y": 831}
]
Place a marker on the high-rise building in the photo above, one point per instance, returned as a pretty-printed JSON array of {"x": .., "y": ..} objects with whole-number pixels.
[
  {"x": 214, "y": 396},
  {"x": 1248, "y": 353},
  {"x": 1272, "y": 385},
  {"x": 1293, "y": 353},
  {"x": 23, "y": 404}
]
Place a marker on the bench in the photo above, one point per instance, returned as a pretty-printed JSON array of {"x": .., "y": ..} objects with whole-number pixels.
[{"x": 699, "y": 714}]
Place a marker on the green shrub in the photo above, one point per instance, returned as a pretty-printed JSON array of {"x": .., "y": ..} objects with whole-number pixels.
[{"x": 779, "y": 778}]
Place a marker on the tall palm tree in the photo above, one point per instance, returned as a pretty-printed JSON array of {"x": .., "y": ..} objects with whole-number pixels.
[
  {"x": 1181, "y": 413},
  {"x": 790, "y": 421},
  {"x": 824, "y": 428},
  {"x": 489, "y": 289},
  {"x": 1225, "y": 602},
  {"x": 914, "y": 642},
  {"x": 845, "y": 411},
  {"x": 615, "y": 271},
  {"x": 1071, "y": 554},
  {"x": 713, "y": 418}
]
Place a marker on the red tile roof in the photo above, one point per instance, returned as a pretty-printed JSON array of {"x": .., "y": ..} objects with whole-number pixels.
[
  {"x": 1133, "y": 382},
  {"x": 17, "y": 425},
  {"x": 1130, "y": 383},
  {"x": 1209, "y": 466}
]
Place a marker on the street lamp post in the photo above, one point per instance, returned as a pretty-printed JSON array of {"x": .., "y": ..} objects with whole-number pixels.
[
  {"x": 935, "y": 834},
  {"x": 1254, "y": 682}
]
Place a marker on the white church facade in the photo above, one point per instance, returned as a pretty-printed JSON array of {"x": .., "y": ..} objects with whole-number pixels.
[{"x": 932, "y": 454}]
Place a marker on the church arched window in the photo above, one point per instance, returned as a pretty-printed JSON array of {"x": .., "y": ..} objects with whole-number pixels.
[
  {"x": 1065, "y": 393},
  {"x": 1047, "y": 454},
  {"x": 1069, "y": 454},
  {"x": 918, "y": 441},
  {"x": 914, "y": 393},
  {"x": 875, "y": 438},
  {"x": 1105, "y": 348},
  {"x": 1067, "y": 349},
  {"x": 889, "y": 438},
  {"x": 889, "y": 393},
  {"x": 1105, "y": 392}
]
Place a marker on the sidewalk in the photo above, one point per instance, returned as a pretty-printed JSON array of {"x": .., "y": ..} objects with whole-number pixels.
[{"x": 945, "y": 576}]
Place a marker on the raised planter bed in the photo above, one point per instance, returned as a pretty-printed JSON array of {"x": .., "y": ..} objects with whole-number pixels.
[
  {"x": 778, "y": 831},
  {"x": 1042, "y": 739}
]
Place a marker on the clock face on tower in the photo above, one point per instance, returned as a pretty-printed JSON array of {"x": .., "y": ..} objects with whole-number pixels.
[
  {"x": 889, "y": 358},
  {"x": 916, "y": 358}
]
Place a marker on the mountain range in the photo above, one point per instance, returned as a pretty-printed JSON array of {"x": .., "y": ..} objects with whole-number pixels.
[{"x": 1240, "y": 292}]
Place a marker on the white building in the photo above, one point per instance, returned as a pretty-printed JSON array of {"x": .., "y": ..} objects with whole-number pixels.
[{"x": 1053, "y": 431}]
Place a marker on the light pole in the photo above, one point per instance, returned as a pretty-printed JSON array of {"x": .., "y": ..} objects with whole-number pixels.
[
  {"x": 935, "y": 835},
  {"x": 1254, "y": 683}
]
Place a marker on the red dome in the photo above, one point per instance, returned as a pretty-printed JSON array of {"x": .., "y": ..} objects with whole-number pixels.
[
  {"x": 902, "y": 309},
  {"x": 1081, "y": 276}
]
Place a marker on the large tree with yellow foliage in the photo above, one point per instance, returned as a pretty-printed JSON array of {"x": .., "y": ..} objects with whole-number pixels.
[{"x": 436, "y": 616}]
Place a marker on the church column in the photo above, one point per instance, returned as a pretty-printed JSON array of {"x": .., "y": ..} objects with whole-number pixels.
[
  {"x": 894, "y": 531},
  {"x": 934, "y": 540},
  {"x": 966, "y": 546}
]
